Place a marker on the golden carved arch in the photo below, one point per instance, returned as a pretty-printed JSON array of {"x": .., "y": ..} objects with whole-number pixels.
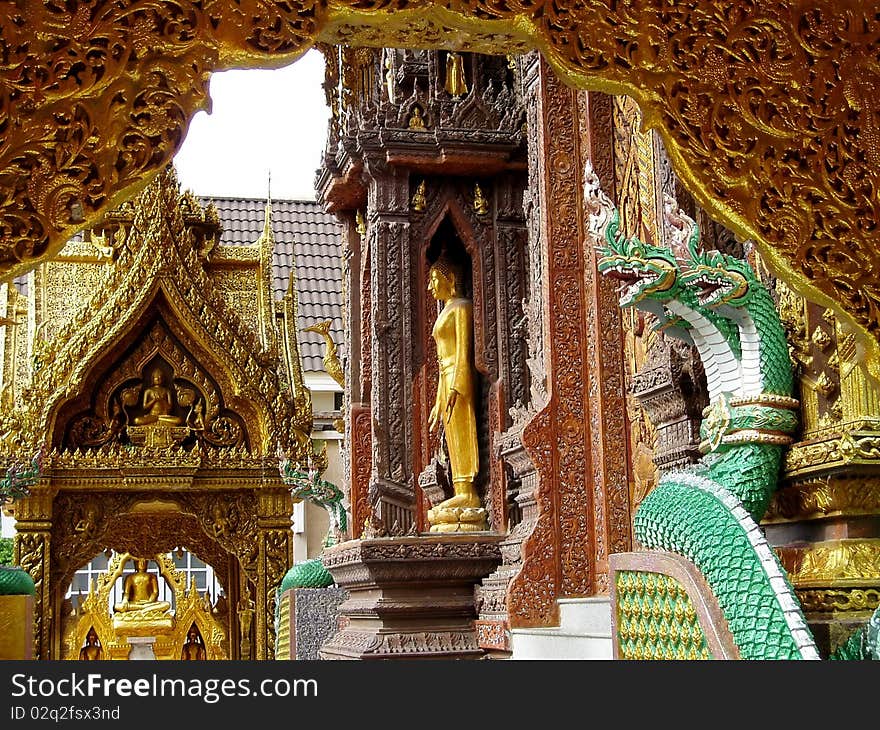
[
  {"x": 766, "y": 108},
  {"x": 89, "y": 522}
]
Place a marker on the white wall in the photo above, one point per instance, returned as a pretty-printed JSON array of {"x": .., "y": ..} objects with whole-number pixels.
[{"x": 7, "y": 525}]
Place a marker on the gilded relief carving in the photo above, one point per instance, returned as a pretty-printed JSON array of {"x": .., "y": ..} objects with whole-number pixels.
[
  {"x": 743, "y": 96},
  {"x": 191, "y": 332},
  {"x": 147, "y": 400}
]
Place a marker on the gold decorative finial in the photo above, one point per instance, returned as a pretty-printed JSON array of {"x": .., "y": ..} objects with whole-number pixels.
[
  {"x": 332, "y": 365},
  {"x": 481, "y": 205},
  {"x": 416, "y": 120},
  {"x": 455, "y": 85},
  {"x": 359, "y": 223},
  {"x": 418, "y": 199}
]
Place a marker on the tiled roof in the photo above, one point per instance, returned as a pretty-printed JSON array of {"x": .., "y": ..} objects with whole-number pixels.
[{"x": 299, "y": 226}]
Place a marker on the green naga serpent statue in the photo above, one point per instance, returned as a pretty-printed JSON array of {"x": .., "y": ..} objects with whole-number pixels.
[
  {"x": 308, "y": 486},
  {"x": 15, "y": 485},
  {"x": 709, "y": 513}
]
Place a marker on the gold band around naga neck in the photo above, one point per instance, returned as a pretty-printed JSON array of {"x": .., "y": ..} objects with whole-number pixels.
[{"x": 767, "y": 399}]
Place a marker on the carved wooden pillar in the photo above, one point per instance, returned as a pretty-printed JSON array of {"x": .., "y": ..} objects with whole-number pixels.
[
  {"x": 360, "y": 444},
  {"x": 576, "y": 440},
  {"x": 391, "y": 486},
  {"x": 33, "y": 540},
  {"x": 609, "y": 429},
  {"x": 512, "y": 387},
  {"x": 357, "y": 328},
  {"x": 274, "y": 560}
]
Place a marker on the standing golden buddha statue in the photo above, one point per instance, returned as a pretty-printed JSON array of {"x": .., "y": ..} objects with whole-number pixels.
[
  {"x": 454, "y": 406},
  {"x": 456, "y": 85}
]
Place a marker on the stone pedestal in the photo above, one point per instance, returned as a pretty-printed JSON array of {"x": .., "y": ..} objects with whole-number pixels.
[
  {"x": 17, "y": 627},
  {"x": 141, "y": 647},
  {"x": 409, "y": 597},
  {"x": 308, "y": 617}
]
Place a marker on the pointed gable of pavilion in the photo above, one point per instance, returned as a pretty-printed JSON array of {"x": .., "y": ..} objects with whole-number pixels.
[{"x": 158, "y": 295}]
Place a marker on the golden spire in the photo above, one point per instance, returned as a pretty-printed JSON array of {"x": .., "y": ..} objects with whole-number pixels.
[
  {"x": 267, "y": 234},
  {"x": 266, "y": 245}
]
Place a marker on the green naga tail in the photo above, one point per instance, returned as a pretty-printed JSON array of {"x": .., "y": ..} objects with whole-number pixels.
[
  {"x": 15, "y": 581},
  {"x": 702, "y": 521},
  {"x": 309, "y": 574}
]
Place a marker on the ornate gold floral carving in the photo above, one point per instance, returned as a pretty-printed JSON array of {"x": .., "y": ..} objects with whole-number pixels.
[
  {"x": 834, "y": 563},
  {"x": 747, "y": 98},
  {"x": 32, "y": 554},
  {"x": 806, "y": 458},
  {"x": 825, "y": 497},
  {"x": 841, "y": 600}
]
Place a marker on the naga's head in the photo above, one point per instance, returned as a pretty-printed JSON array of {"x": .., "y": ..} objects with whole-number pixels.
[
  {"x": 644, "y": 271},
  {"x": 719, "y": 279},
  {"x": 647, "y": 274}
]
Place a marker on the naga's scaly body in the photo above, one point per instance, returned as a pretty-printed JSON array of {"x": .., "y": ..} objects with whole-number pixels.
[{"x": 709, "y": 513}]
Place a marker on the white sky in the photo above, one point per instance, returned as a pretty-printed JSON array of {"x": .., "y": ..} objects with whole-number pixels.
[{"x": 261, "y": 121}]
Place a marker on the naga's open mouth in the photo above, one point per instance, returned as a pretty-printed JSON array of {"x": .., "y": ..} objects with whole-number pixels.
[
  {"x": 711, "y": 289},
  {"x": 632, "y": 283}
]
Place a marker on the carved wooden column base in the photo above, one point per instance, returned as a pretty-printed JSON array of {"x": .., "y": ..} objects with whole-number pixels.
[
  {"x": 493, "y": 626},
  {"x": 409, "y": 597}
]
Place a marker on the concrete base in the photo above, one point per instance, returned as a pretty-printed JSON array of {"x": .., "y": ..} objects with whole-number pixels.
[
  {"x": 409, "y": 597},
  {"x": 584, "y": 633},
  {"x": 141, "y": 647}
]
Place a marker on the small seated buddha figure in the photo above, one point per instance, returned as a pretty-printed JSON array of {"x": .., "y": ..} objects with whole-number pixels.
[
  {"x": 416, "y": 120},
  {"x": 92, "y": 650},
  {"x": 158, "y": 403},
  {"x": 140, "y": 591}
]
